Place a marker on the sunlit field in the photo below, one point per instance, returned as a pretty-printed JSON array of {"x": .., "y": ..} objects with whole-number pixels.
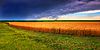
[
  {"x": 12, "y": 38},
  {"x": 70, "y": 28}
]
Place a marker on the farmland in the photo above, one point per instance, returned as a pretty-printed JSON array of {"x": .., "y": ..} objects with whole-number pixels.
[
  {"x": 12, "y": 38},
  {"x": 70, "y": 28}
]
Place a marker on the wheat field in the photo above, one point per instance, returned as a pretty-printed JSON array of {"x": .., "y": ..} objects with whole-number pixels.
[
  {"x": 12, "y": 38},
  {"x": 70, "y": 28}
]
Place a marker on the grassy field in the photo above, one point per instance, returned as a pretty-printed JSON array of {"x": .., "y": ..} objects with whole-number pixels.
[{"x": 18, "y": 39}]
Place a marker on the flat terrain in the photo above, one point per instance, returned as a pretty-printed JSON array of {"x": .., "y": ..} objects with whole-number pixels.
[
  {"x": 19, "y": 39},
  {"x": 77, "y": 28}
]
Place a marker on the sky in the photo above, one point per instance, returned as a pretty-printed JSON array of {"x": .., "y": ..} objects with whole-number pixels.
[
  {"x": 85, "y": 15},
  {"x": 49, "y": 9}
]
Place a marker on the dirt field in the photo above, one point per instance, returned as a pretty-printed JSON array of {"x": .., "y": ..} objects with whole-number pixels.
[{"x": 71, "y": 28}]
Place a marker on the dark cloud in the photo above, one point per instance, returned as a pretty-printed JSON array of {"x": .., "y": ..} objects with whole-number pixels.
[
  {"x": 17, "y": 8},
  {"x": 21, "y": 9},
  {"x": 72, "y": 7}
]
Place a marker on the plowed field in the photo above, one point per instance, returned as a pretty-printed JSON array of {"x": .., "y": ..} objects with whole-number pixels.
[{"x": 71, "y": 28}]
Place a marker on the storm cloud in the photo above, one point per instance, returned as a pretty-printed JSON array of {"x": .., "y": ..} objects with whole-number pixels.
[{"x": 21, "y": 9}]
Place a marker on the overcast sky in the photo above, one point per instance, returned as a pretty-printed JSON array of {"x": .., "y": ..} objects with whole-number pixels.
[{"x": 50, "y": 9}]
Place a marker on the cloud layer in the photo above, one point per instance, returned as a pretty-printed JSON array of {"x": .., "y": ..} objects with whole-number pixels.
[
  {"x": 85, "y": 15},
  {"x": 35, "y": 9}
]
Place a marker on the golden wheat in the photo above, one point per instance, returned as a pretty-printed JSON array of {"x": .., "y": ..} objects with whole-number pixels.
[{"x": 71, "y": 28}]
